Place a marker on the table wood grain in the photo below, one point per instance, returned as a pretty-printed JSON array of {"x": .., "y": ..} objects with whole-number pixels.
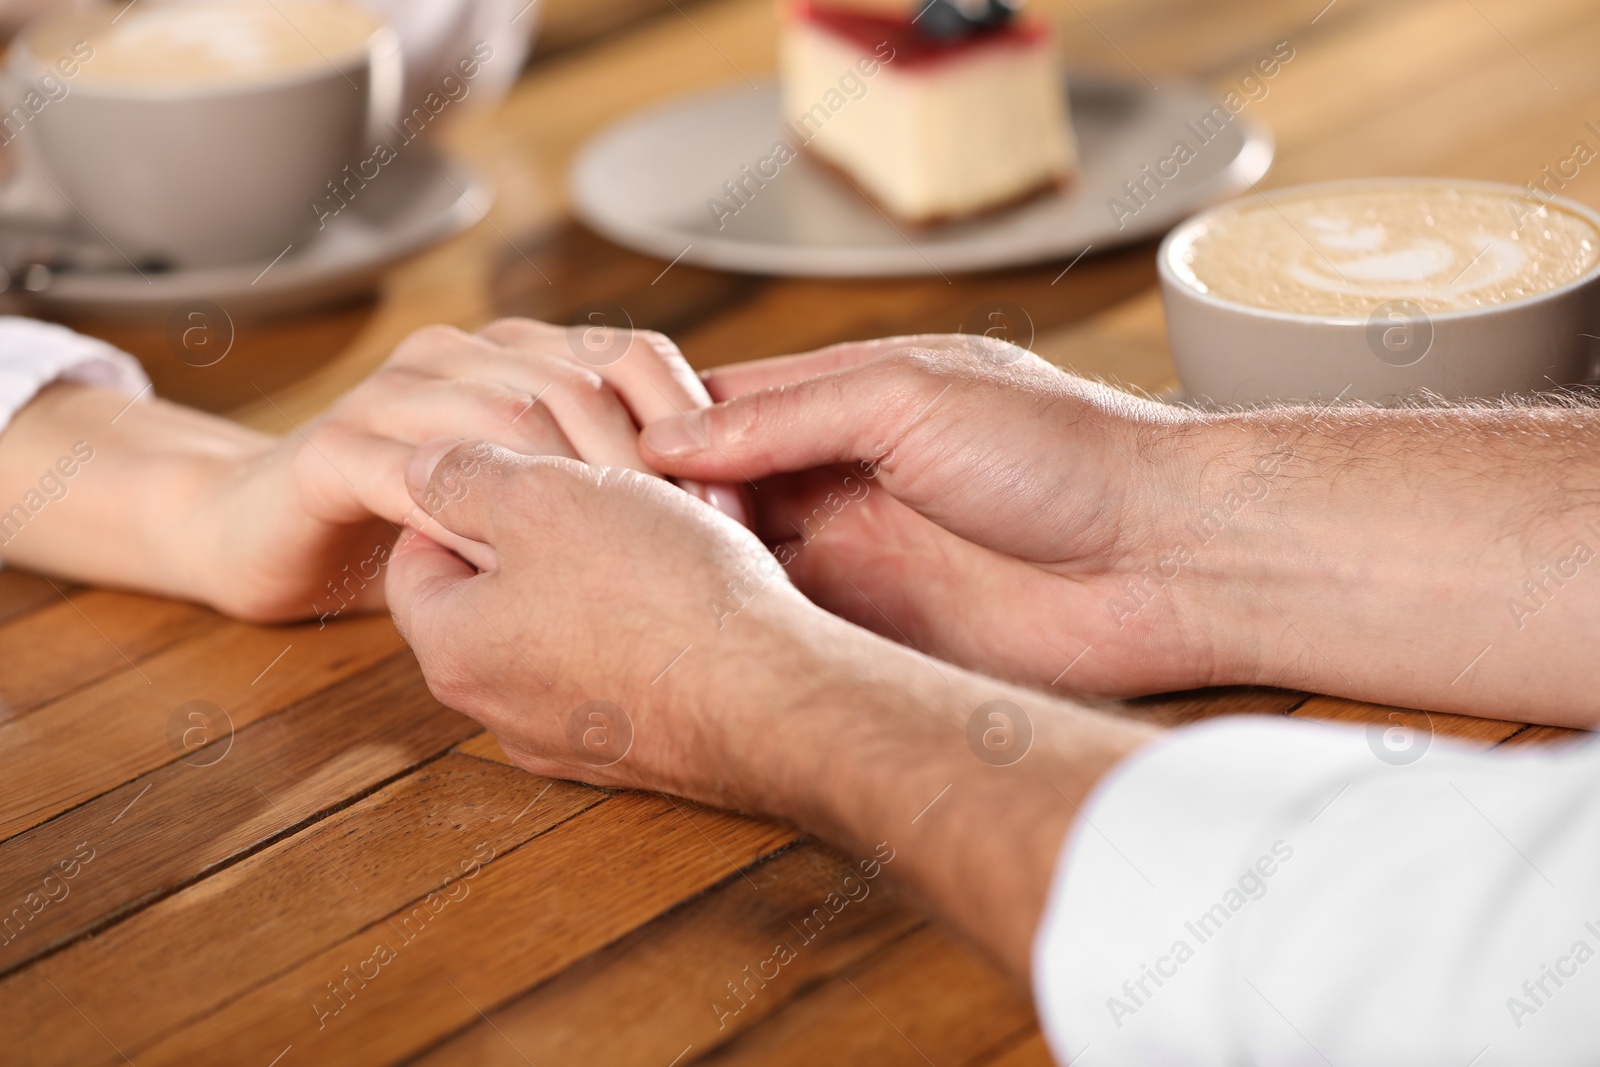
[{"x": 349, "y": 873}]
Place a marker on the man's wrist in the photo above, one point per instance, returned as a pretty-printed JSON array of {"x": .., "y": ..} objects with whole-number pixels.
[
  {"x": 1376, "y": 553},
  {"x": 969, "y": 783},
  {"x": 1208, "y": 488}
]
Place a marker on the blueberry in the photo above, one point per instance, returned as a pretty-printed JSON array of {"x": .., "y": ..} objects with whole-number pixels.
[{"x": 947, "y": 19}]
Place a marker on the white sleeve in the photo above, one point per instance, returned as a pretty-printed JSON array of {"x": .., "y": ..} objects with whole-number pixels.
[
  {"x": 33, "y": 354},
  {"x": 1250, "y": 891}
]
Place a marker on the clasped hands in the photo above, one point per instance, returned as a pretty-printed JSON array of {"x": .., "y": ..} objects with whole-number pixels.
[
  {"x": 887, "y": 551},
  {"x": 954, "y": 493}
]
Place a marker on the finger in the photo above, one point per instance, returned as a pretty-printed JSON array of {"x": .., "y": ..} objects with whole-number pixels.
[
  {"x": 350, "y": 476},
  {"x": 805, "y": 503},
  {"x": 586, "y": 409},
  {"x": 421, "y": 587},
  {"x": 410, "y": 407},
  {"x": 724, "y": 383},
  {"x": 857, "y": 414},
  {"x": 648, "y": 372},
  {"x": 483, "y": 492},
  {"x": 646, "y": 369}
]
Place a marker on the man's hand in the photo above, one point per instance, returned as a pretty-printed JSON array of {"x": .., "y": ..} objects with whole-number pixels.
[
  {"x": 1011, "y": 517},
  {"x": 601, "y": 646},
  {"x": 602, "y": 591},
  {"x": 961, "y": 494}
]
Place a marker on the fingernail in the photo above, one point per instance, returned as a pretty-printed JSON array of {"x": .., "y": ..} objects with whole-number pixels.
[
  {"x": 727, "y": 499},
  {"x": 427, "y": 457},
  {"x": 676, "y": 436}
]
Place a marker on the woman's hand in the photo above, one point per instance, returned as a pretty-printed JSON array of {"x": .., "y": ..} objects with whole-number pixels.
[
  {"x": 306, "y": 527},
  {"x": 276, "y": 529}
]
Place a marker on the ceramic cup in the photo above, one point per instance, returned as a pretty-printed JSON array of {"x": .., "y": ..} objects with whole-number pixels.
[
  {"x": 1229, "y": 353},
  {"x": 192, "y": 172}
]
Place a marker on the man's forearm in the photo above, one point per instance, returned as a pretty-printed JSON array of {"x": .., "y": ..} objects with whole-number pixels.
[
  {"x": 969, "y": 784},
  {"x": 1437, "y": 558},
  {"x": 101, "y": 490}
]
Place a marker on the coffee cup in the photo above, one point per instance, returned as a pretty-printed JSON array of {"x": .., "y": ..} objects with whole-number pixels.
[
  {"x": 193, "y": 134},
  {"x": 1383, "y": 289}
]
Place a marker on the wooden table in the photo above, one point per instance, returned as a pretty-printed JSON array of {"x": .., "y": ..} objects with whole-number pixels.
[{"x": 349, "y": 873}]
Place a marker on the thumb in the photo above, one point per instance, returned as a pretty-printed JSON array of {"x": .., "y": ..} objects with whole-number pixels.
[
  {"x": 421, "y": 588},
  {"x": 454, "y": 485},
  {"x": 860, "y": 413}
]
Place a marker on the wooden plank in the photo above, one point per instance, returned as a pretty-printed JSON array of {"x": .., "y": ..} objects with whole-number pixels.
[
  {"x": 1125, "y": 346},
  {"x": 556, "y": 273},
  {"x": 569, "y": 24},
  {"x": 22, "y": 593},
  {"x": 123, "y": 726},
  {"x": 179, "y": 821},
  {"x": 1031, "y": 1051},
  {"x": 530, "y": 915},
  {"x": 484, "y": 746},
  {"x": 665, "y": 988},
  {"x": 197, "y": 950},
  {"x": 928, "y": 998},
  {"x": 1172, "y": 710},
  {"x": 719, "y": 318},
  {"x": 67, "y": 644},
  {"x": 1546, "y": 735},
  {"x": 1213, "y": 43},
  {"x": 810, "y": 313},
  {"x": 1439, "y": 73},
  {"x": 1463, "y": 728},
  {"x": 1540, "y": 128}
]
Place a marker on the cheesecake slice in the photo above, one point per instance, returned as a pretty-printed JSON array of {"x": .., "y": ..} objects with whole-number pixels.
[{"x": 931, "y": 127}]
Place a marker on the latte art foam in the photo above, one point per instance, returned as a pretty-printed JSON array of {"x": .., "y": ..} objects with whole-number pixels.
[
  {"x": 193, "y": 45},
  {"x": 1342, "y": 253}
]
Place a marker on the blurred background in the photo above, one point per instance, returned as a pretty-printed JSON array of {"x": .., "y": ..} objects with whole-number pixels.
[{"x": 1377, "y": 87}]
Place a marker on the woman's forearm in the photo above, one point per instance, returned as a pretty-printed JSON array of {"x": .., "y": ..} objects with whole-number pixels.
[{"x": 101, "y": 490}]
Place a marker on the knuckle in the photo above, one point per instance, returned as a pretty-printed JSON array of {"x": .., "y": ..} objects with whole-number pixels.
[
  {"x": 504, "y": 407},
  {"x": 427, "y": 341},
  {"x": 324, "y": 437},
  {"x": 522, "y": 329},
  {"x": 437, "y": 335},
  {"x": 918, "y": 361},
  {"x": 655, "y": 340},
  {"x": 541, "y": 483},
  {"x": 584, "y": 385},
  {"x": 455, "y": 474},
  {"x": 536, "y": 432},
  {"x": 738, "y": 422}
]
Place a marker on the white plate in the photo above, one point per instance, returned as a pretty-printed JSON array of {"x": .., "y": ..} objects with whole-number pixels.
[
  {"x": 420, "y": 199},
  {"x": 645, "y": 183}
]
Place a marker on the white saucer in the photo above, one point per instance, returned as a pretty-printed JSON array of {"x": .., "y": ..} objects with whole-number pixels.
[
  {"x": 420, "y": 198},
  {"x": 645, "y": 183}
]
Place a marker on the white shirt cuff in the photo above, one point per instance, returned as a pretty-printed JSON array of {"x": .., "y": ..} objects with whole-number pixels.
[{"x": 34, "y": 354}]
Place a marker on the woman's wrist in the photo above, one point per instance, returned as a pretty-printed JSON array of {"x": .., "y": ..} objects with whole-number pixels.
[
  {"x": 193, "y": 555},
  {"x": 146, "y": 487}
]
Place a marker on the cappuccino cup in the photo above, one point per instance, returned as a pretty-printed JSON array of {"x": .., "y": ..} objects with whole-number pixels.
[
  {"x": 192, "y": 135},
  {"x": 1380, "y": 289}
]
